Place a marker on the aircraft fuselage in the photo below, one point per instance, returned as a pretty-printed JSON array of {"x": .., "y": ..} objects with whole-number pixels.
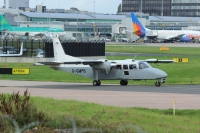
[{"x": 121, "y": 72}]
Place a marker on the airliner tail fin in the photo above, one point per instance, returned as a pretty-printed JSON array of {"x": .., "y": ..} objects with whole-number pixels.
[
  {"x": 138, "y": 28},
  {"x": 4, "y": 24}
]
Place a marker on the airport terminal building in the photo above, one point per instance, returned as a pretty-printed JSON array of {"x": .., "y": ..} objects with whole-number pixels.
[
  {"x": 81, "y": 24},
  {"x": 183, "y": 8}
]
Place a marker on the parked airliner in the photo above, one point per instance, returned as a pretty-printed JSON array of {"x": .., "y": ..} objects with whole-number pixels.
[
  {"x": 163, "y": 35},
  {"x": 33, "y": 32}
]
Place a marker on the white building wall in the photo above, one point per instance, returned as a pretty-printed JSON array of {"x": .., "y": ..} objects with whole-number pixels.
[
  {"x": 18, "y": 3},
  {"x": 39, "y": 8},
  {"x": 60, "y": 26}
]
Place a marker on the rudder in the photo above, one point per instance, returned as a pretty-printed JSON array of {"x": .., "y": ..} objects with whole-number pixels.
[
  {"x": 59, "y": 53},
  {"x": 138, "y": 28}
]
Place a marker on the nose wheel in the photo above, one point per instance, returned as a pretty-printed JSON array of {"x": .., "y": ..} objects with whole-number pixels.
[
  {"x": 96, "y": 83},
  {"x": 157, "y": 84}
]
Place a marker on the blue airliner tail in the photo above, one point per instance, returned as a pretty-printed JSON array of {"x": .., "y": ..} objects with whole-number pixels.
[{"x": 138, "y": 28}]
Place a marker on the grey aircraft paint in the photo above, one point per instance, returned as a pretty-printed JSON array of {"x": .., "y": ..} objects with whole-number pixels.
[{"x": 103, "y": 69}]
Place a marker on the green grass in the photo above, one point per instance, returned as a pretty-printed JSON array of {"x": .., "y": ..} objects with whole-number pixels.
[
  {"x": 110, "y": 118},
  {"x": 153, "y": 50}
]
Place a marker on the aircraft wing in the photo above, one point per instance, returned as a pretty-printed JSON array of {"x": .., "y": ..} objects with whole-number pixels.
[
  {"x": 84, "y": 62},
  {"x": 158, "y": 61},
  {"x": 173, "y": 37},
  {"x": 39, "y": 34}
]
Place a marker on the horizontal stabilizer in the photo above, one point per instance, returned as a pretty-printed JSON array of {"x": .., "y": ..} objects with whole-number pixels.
[{"x": 51, "y": 63}]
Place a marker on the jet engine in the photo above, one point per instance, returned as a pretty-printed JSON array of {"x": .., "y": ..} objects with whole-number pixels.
[
  {"x": 185, "y": 38},
  {"x": 26, "y": 34}
]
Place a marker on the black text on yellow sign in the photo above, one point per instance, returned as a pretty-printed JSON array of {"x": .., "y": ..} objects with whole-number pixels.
[
  {"x": 20, "y": 71},
  {"x": 185, "y": 60}
]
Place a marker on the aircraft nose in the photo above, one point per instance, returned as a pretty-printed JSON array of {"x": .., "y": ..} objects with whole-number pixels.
[{"x": 160, "y": 74}]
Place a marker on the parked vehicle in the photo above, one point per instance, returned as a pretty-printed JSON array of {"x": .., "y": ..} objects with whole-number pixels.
[
  {"x": 40, "y": 55},
  {"x": 8, "y": 50}
]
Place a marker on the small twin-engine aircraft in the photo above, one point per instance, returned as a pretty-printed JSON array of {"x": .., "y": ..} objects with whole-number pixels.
[{"x": 104, "y": 69}]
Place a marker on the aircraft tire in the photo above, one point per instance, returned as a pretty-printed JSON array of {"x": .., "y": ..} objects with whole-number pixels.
[
  {"x": 98, "y": 82},
  {"x": 126, "y": 82},
  {"x": 157, "y": 84},
  {"x": 123, "y": 82},
  {"x": 95, "y": 83}
]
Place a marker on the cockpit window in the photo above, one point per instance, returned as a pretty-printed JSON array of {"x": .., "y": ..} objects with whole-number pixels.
[
  {"x": 132, "y": 66},
  {"x": 143, "y": 65}
]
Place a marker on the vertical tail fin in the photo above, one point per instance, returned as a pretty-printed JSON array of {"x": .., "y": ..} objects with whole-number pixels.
[
  {"x": 59, "y": 53},
  {"x": 138, "y": 28},
  {"x": 4, "y": 24}
]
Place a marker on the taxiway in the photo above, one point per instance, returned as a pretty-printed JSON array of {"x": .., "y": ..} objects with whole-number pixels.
[{"x": 187, "y": 96}]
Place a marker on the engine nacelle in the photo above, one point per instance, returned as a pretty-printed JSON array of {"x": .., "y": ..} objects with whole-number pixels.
[
  {"x": 185, "y": 38},
  {"x": 106, "y": 66},
  {"x": 26, "y": 34}
]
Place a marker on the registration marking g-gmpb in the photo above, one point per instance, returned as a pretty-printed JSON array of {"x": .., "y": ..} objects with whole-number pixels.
[{"x": 78, "y": 71}]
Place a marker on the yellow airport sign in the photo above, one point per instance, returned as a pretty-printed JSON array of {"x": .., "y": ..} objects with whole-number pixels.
[
  {"x": 164, "y": 48},
  {"x": 185, "y": 60},
  {"x": 20, "y": 71}
]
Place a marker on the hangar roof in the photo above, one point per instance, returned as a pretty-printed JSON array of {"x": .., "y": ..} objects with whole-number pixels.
[
  {"x": 107, "y": 17},
  {"x": 74, "y": 15}
]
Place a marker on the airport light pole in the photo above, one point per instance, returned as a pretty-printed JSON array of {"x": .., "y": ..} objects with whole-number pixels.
[
  {"x": 155, "y": 25},
  {"x": 162, "y": 9},
  {"x": 2, "y": 12},
  {"x": 94, "y": 6},
  {"x": 197, "y": 9},
  {"x": 76, "y": 23}
]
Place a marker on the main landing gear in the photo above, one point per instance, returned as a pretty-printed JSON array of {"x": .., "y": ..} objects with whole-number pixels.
[
  {"x": 96, "y": 82},
  {"x": 123, "y": 82}
]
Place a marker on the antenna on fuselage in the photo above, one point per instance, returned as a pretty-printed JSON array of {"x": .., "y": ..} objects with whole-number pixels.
[{"x": 135, "y": 57}]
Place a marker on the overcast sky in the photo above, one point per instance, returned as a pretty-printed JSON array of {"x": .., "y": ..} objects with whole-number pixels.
[{"x": 101, "y": 6}]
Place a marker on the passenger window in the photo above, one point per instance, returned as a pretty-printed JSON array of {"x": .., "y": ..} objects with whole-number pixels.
[
  {"x": 126, "y": 73},
  {"x": 125, "y": 66},
  {"x": 132, "y": 66},
  {"x": 118, "y": 67}
]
